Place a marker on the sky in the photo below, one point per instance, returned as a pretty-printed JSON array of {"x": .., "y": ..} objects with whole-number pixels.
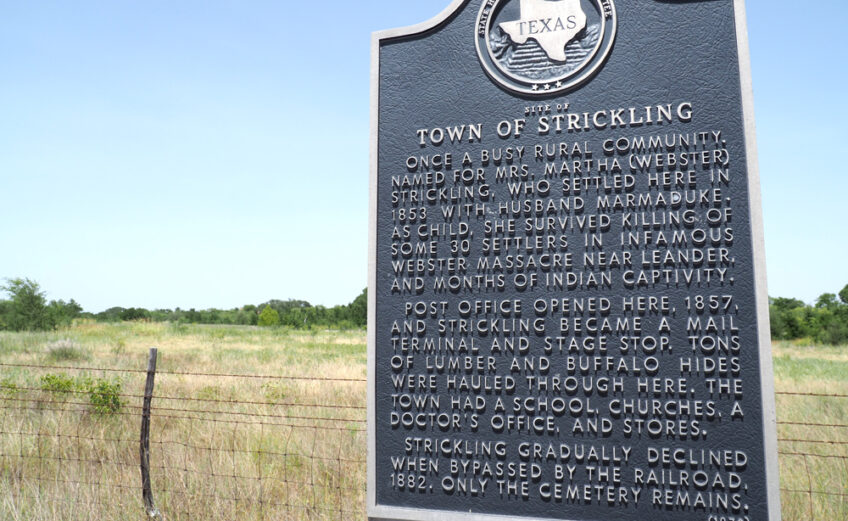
[{"x": 211, "y": 153}]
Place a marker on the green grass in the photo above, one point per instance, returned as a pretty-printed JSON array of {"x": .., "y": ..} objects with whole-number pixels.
[{"x": 799, "y": 370}]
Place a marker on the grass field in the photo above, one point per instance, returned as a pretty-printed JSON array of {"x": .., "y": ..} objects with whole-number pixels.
[
  {"x": 801, "y": 368},
  {"x": 212, "y": 457},
  {"x": 225, "y": 447}
]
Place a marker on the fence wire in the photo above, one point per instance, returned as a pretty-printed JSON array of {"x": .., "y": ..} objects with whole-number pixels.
[
  {"x": 223, "y": 446},
  {"x": 227, "y": 446},
  {"x": 813, "y": 454}
]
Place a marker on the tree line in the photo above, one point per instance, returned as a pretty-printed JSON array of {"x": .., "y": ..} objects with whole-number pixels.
[
  {"x": 825, "y": 322},
  {"x": 27, "y": 309}
]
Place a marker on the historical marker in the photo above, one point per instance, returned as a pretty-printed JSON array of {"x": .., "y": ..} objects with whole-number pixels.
[{"x": 568, "y": 314}]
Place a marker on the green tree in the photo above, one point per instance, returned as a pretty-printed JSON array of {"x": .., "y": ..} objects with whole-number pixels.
[
  {"x": 269, "y": 317},
  {"x": 28, "y": 310},
  {"x": 827, "y": 301},
  {"x": 5, "y": 314},
  {"x": 131, "y": 314},
  {"x": 843, "y": 295},
  {"x": 359, "y": 309},
  {"x": 61, "y": 313},
  {"x": 110, "y": 315},
  {"x": 790, "y": 318}
]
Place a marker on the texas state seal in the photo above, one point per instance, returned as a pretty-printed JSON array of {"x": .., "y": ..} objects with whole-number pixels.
[{"x": 543, "y": 47}]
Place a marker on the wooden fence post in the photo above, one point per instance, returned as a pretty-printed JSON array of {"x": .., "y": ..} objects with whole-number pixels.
[{"x": 144, "y": 450}]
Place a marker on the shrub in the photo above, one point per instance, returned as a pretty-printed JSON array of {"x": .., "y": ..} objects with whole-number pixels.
[
  {"x": 58, "y": 383},
  {"x": 9, "y": 387},
  {"x": 105, "y": 395},
  {"x": 66, "y": 350}
]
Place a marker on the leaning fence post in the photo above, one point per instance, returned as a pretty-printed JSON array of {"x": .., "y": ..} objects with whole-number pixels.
[{"x": 144, "y": 449}]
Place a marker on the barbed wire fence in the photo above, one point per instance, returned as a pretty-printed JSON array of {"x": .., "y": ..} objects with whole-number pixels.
[
  {"x": 813, "y": 453},
  {"x": 70, "y": 446}
]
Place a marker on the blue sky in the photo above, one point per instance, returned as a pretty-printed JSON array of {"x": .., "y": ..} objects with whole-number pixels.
[{"x": 212, "y": 154}]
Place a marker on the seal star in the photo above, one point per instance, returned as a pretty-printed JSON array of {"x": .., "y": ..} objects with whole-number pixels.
[{"x": 552, "y": 23}]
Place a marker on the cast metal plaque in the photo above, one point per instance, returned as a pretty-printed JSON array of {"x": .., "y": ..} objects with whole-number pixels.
[{"x": 567, "y": 299}]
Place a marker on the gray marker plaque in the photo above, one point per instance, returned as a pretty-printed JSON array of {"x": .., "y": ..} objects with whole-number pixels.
[{"x": 567, "y": 299}]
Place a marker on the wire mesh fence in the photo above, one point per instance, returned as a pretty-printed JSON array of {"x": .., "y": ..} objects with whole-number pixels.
[{"x": 248, "y": 446}]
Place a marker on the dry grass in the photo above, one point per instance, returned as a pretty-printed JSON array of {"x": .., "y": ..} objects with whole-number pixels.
[
  {"x": 802, "y": 368},
  {"x": 288, "y": 456}
]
